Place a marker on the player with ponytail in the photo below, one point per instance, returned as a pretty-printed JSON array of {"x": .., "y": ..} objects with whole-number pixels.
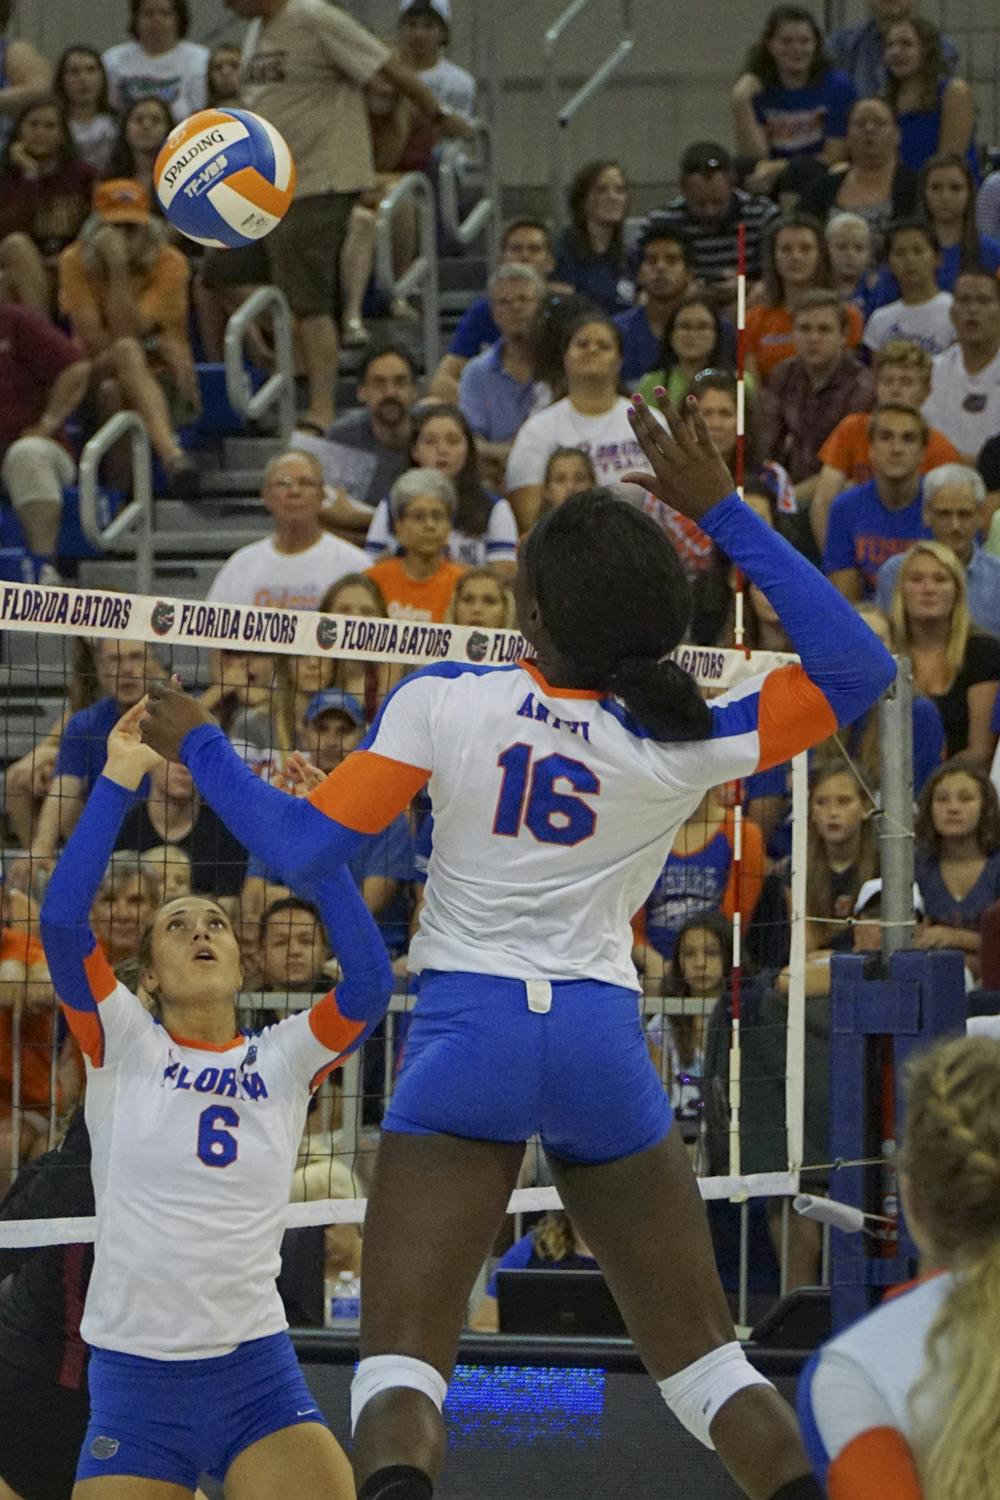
[
  {"x": 557, "y": 785},
  {"x": 903, "y": 1406}
]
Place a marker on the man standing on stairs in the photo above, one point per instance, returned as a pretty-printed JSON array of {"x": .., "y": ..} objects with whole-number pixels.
[
  {"x": 293, "y": 567},
  {"x": 305, "y": 65}
]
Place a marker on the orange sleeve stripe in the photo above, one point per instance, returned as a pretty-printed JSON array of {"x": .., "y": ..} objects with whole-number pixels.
[
  {"x": 876, "y": 1465},
  {"x": 99, "y": 974},
  {"x": 368, "y": 790},
  {"x": 332, "y": 1029},
  {"x": 793, "y": 715}
]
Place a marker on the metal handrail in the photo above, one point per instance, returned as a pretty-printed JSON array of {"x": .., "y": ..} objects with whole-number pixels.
[
  {"x": 558, "y": 119},
  {"x": 422, "y": 275},
  {"x": 279, "y": 388},
  {"x": 135, "y": 521},
  {"x": 485, "y": 215}
]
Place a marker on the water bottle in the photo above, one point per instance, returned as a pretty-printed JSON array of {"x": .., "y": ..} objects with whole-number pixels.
[{"x": 345, "y": 1302}]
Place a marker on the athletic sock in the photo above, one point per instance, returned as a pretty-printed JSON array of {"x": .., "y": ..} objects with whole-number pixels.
[
  {"x": 803, "y": 1488},
  {"x": 400, "y": 1482}
]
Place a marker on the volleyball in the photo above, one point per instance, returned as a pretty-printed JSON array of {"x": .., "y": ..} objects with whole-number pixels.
[{"x": 224, "y": 177}]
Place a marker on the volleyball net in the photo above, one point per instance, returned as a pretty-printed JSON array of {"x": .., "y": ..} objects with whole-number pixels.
[{"x": 723, "y": 1002}]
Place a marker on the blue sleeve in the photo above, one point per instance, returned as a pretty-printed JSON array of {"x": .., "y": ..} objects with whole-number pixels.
[
  {"x": 839, "y": 550},
  {"x": 72, "y": 890},
  {"x": 838, "y": 652},
  {"x": 770, "y": 783},
  {"x": 516, "y": 1259},
  {"x": 476, "y": 328},
  {"x": 366, "y": 973},
  {"x": 472, "y": 399},
  {"x": 928, "y": 741},
  {"x": 995, "y": 720},
  {"x": 287, "y": 833}
]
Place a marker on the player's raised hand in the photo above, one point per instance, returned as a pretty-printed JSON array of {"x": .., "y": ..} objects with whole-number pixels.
[
  {"x": 689, "y": 473},
  {"x": 170, "y": 715},
  {"x": 128, "y": 758}
]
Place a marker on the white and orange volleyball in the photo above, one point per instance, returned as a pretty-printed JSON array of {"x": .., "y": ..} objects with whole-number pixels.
[{"x": 224, "y": 177}]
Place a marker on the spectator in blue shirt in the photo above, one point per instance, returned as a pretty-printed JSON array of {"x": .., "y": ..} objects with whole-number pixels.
[
  {"x": 664, "y": 279},
  {"x": 525, "y": 242},
  {"x": 947, "y": 200},
  {"x": 873, "y": 521},
  {"x": 124, "y": 670},
  {"x": 790, "y": 101},
  {"x": 954, "y": 499},
  {"x": 590, "y": 253},
  {"x": 935, "y": 111},
  {"x": 859, "y": 51},
  {"x": 498, "y": 389}
]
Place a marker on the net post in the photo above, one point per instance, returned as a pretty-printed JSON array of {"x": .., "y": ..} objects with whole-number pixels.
[
  {"x": 896, "y": 817},
  {"x": 796, "y": 1031}
]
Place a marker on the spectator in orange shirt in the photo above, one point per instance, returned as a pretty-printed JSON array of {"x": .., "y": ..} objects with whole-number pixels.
[
  {"x": 419, "y": 582},
  {"x": 902, "y": 378},
  {"x": 25, "y": 1000},
  {"x": 796, "y": 261},
  {"x": 125, "y": 293}
]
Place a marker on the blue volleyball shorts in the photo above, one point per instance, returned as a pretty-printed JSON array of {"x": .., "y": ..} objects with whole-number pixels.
[
  {"x": 176, "y": 1419},
  {"x": 502, "y": 1060}
]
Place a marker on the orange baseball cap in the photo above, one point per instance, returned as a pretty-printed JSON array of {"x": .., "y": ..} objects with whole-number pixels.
[{"x": 122, "y": 201}]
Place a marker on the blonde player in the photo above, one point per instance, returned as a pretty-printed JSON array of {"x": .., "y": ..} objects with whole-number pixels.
[
  {"x": 195, "y": 1130},
  {"x": 557, "y": 787},
  {"x": 904, "y": 1405}
]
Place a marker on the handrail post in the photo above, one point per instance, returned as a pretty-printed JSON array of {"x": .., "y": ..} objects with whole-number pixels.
[
  {"x": 422, "y": 275},
  {"x": 558, "y": 119},
  {"x": 279, "y": 388},
  {"x": 137, "y": 515},
  {"x": 484, "y": 215}
]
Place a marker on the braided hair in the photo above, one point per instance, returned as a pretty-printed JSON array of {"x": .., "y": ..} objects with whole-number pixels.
[
  {"x": 952, "y": 1159},
  {"x": 615, "y": 602}
]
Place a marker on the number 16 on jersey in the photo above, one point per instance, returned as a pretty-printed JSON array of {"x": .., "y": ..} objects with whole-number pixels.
[{"x": 530, "y": 797}]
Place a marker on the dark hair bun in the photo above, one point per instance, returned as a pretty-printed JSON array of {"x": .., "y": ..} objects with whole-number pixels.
[{"x": 663, "y": 697}]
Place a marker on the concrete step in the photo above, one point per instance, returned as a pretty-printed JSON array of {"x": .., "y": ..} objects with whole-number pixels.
[
  {"x": 206, "y": 519},
  {"x": 248, "y": 453},
  {"x": 229, "y": 483},
  {"x": 175, "y": 579}
]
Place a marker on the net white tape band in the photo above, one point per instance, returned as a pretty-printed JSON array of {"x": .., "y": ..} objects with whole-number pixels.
[
  {"x": 32, "y": 1233},
  {"x": 306, "y": 632}
]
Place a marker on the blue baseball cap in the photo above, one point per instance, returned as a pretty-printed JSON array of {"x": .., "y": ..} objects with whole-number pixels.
[{"x": 334, "y": 701}]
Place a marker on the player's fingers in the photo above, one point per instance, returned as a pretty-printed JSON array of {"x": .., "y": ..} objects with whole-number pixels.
[
  {"x": 637, "y": 476},
  {"x": 655, "y": 440},
  {"x": 675, "y": 421},
  {"x": 135, "y": 713},
  {"x": 696, "y": 423}
]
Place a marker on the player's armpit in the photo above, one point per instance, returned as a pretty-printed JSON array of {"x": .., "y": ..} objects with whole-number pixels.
[
  {"x": 335, "y": 1031},
  {"x": 368, "y": 790},
  {"x": 794, "y": 714},
  {"x": 876, "y": 1465}
]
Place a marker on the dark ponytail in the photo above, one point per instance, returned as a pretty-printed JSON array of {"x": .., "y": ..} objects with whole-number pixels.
[
  {"x": 615, "y": 602},
  {"x": 663, "y": 697}
]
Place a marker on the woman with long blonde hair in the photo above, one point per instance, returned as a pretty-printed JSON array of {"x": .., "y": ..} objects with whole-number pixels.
[
  {"x": 905, "y": 1401},
  {"x": 953, "y": 663}
]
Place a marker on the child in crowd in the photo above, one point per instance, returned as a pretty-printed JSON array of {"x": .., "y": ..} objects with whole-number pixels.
[
  {"x": 922, "y": 315},
  {"x": 568, "y": 472},
  {"x": 842, "y": 855},
  {"x": 418, "y": 583},
  {"x": 958, "y": 858},
  {"x": 849, "y": 245},
  {"x": 224, "y": 76},
  {"x": 481, "y": 598},
  {"x": 81, "y": 86},
  {"x": 699, "y": 971}
]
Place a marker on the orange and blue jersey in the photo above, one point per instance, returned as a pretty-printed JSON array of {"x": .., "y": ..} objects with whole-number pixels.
[
  {"x": 193, "y": 1143},
  {"x": 705, "y": 880},
  {"x": 554, "y": 809},
  {"x": 862, "y": 1394}
]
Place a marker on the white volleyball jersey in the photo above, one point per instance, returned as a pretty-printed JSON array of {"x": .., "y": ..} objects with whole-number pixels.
[
  {"x": 855, "y": 1401},
  {"x": 193, "y": 1150},
  {"x": 554, "y": 811}
]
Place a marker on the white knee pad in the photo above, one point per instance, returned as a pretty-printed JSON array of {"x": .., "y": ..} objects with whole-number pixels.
[
  {"x": 37, "y": 468},
  {"x": 386, "y": 1372},
  {"x": 696, "y": 1394}
]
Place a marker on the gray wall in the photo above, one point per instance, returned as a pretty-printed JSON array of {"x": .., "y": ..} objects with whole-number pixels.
[{"x": 673, "y": 89}]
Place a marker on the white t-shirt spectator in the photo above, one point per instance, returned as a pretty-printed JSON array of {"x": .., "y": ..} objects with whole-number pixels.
[
  {"x": 260, "y": 574},
  {"x": 498, "y": 542},
  {"x": 453, "y": 86},
  {"x": 178, "y": 77},
  {"x": 966, "y": 408},
  {"x": 607, "y": 438},
  {"x": 925, "y": 323},
  {"x": 95, "y": 140}
]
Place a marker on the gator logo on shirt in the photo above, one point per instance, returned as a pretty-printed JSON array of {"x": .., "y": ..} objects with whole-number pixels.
[
  {"x": 104, "y": 1447},
  {"x": 162, "y": 618},
  {"x": 477, "y": 646},
  {"x": 326, "y": 633}
]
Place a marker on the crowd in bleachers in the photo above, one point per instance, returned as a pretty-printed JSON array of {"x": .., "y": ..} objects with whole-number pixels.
[{"x": 872, "y": 413}]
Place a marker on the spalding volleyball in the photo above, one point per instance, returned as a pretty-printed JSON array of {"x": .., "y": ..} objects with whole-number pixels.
[{"x": 224, "y": 177}]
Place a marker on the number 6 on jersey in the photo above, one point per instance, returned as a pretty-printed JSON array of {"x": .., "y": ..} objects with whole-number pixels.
[{"x": 528, "y": 796}]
